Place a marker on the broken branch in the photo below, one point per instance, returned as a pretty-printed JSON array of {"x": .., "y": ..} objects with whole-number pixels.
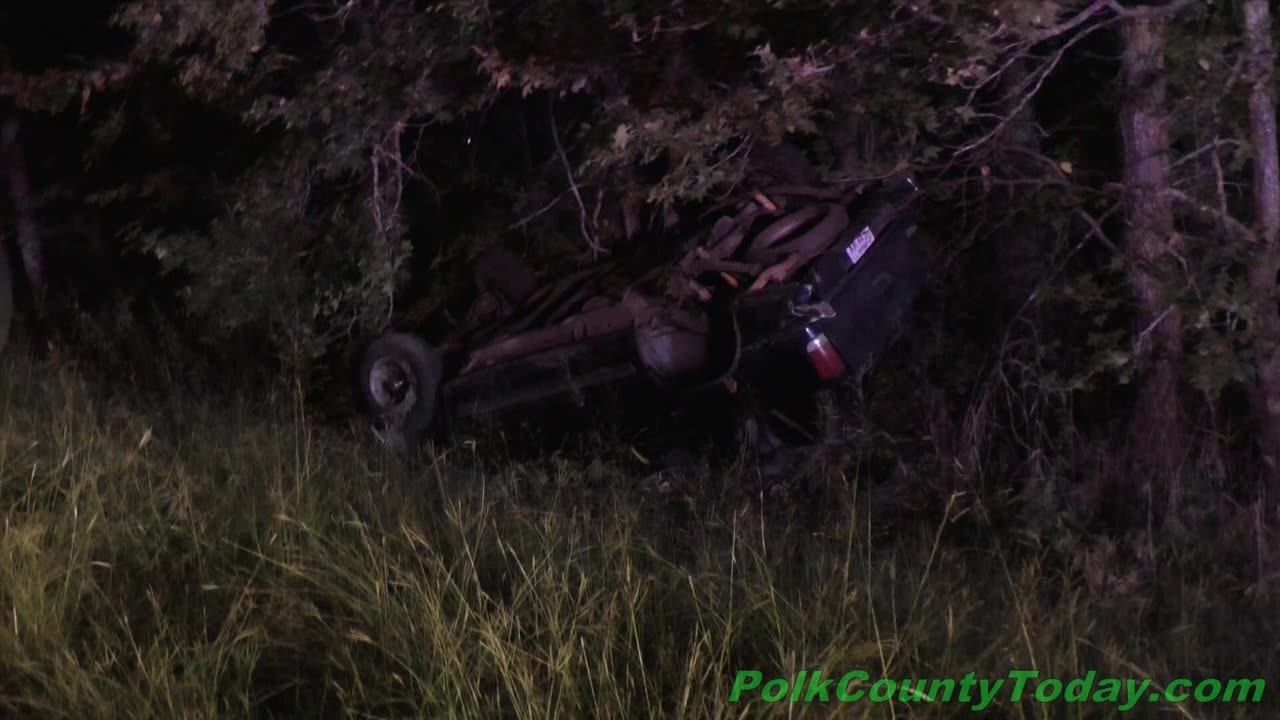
[{"x": 583, "y": 219}]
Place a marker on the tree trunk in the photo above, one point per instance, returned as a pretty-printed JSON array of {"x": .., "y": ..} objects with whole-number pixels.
[
  {"x": 6, "y": 295},
  {"x": 1266, "y": 198},
  {"x": 26, "y": 238},
  {"x": 1023, "y": 253},
  {"x": 1156, "y": 430}
]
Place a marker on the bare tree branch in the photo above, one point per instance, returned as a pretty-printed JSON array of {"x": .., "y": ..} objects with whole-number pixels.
[
  {"x": 1244, "y": 232},
  {"x": 1215, "y": 144},
  {"x": 1040, "y": 74},
  {"x": 537, "y": 213},
  {"x": 1065, "y": 27},
  {"x": 1145, "y": 11},
  {"x": 583, "y": 218}
]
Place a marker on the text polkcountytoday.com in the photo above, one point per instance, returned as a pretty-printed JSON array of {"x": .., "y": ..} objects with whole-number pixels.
[{"x": 980, "y": 693}]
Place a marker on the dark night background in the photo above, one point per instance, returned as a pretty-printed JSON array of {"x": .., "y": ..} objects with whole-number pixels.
[{"x": 210, "y": 207}]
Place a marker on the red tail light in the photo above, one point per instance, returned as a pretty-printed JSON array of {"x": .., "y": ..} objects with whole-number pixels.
[{"x": 823, "y": 355}]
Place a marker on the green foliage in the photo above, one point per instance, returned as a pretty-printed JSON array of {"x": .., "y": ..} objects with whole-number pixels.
[
  {"x": 340, "y": 163},
  {"x": 313, "y": 234},
  {"x": 312, "y": 274},
  {"x": 1210, "y": 128},
  {"x": 210, "y": 46},
  {"x": 339, "y": 126},
  {"x": 331, "y": 109}
]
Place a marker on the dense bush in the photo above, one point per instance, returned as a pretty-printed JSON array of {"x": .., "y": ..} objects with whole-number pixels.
[{"x": 281, "y": 178}]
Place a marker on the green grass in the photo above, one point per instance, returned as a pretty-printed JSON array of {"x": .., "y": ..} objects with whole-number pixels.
[{"x": 187, "y": 559}]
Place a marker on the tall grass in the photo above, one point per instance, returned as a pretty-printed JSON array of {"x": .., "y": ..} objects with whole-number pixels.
[{"x": 187, "y": 559}]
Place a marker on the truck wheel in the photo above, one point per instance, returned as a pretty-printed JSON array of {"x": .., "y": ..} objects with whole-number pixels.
[{"x": 398, "y": 382}]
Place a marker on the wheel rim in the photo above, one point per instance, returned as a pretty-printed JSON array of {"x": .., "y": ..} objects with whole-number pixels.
[{"x": 392, "y": 386}]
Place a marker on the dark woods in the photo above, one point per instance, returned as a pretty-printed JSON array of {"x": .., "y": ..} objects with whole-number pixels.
[{"x": 258, "y": 184}]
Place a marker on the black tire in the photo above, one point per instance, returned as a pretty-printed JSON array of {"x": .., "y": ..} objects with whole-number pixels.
[
  {"x": 6, "y": 299},
  {"x": 398, "y": 383}
]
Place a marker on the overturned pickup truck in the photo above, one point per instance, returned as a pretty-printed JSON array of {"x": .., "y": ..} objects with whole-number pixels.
[{"x": 780, "y": 282}]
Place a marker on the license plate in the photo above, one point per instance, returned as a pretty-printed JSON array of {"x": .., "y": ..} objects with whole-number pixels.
[{"x": 856, "y": 249}]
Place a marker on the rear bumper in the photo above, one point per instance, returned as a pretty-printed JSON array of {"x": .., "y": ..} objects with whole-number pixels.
[{"x": 871, "y": 304}]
